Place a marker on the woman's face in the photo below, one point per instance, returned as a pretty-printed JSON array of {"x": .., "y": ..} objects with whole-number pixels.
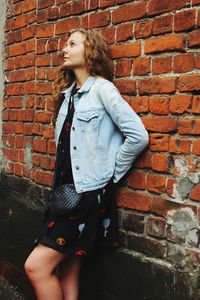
[{"x": 73, "y": 51}]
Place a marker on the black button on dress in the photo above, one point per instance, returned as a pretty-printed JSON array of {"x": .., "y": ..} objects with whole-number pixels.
[{"x": 96, "y": 229}]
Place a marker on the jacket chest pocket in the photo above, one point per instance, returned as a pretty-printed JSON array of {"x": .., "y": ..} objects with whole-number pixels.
[{"x": 88, "y": 120}]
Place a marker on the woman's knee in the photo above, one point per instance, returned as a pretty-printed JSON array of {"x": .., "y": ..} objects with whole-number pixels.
[{"x": 31, "y": 268}]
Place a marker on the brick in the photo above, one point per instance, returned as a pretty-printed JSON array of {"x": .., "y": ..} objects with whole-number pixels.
[
  {"x": 123, "y": 68},
  {"x": 28, "y": 5},
  {"x": 53, "y": 13},
  {"x": 162, "y": 207},
  {"x": 49, "y": 105},
  {"x": 18, "y": 127},
  {"x": 153, "y": 248},
  {"x": 160, "y": 124},
  {"x": 126, "y": 86},
  {"x": 144, "y": 160},
  {"x": 164, "y": 43},
  {"x": 171, "y": 182},
  {"x": 196, "y": 147},
  {"x": 183, "y": 63},
  {"x": 8, "y": 128},
  {"x": 161, "y": 65},
  {"x": 160, "y": 162},
  {"x": 157, "y": 6},
  {"x": 129, "y": 12},
  {"x": 43, "y": 88},
  {"x": 17, "y": 49},
  {"x": 51, "y": 147},
  {"x": 37, "y": 129},
  {"x": 194, "y": 2},
  {"x": 18, "y": 75},
  {"x": 133, "y": 222},
  {"x": 156, "y": 183},
  {"x": 180, "y": 104},
  {"x": 65, "y": 10},
  {"x": 159, "y": 105},
  {"x": 45, "y": 162},
  {"x": 109, "y": 34},
  {"x": 43, "y": 117},
  {"x": 141, "y": 66},
  {"x": 25, "y": 115},
  {"x": 139, "y": 104},
  {"x": 43, "y": 177},
  {"x": 41, "y": 74},
  {"x": 105, "y": 3},
  {"x": 159, "y": 142},
  {"x": 48, "y": 132},
  {"x": 28, "y": 32},
  {"x": 126, "y": 50},
  {"x": 31, "y": 45},
  {"x": 99, "y": 19},
  {"x": 179, "y": 146},
  {"x": 195, "y": 193},
  {"x": 15, "y": 102},
  {"x": 133, "y": 200},
  {"x": 36, "y": 160},
  {"x": 43, "y": 60},
  {"x": 162, "y": 24},
  {"x": 65, "y": 25},
  {"x": 156, "y": 227},
  {"x": 46, "y": 30},
  {"x": 124, "y": 32},
  {"x": 137, "y": 180},
  {"x": 189, "y": 126},
  {"x": 184, "y": 20},
  {"x": 18, "y": 169},
  {"x": 197, "y": 61},
  {"x": 19, "y": 22},
  {"x": 187, "y": 83},
  {"x": 39, "y": 145},
  {"x": 45, "y": 3},
  {"x": 143, "y": 29},
  {"x": 194, "y": 38},
  {"x": 13, "y": 115},
  {"x": 196, "y": 105},
  {"x": 5, "y": 115},
  {"x": 27, "y": 128},
  {"x": 157, "y": 85}
]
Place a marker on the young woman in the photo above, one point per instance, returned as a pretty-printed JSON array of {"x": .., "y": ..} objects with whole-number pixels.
[{"x": 98, "y": 136}]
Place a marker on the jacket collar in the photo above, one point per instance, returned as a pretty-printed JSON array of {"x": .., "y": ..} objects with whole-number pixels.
[{"x": 84, "y": 88}]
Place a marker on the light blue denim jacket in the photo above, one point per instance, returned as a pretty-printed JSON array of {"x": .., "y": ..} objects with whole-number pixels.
[{"x": 106, "y": 134}]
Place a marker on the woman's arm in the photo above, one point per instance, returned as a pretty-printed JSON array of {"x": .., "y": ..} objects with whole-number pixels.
[{"x": 129, "y": 123}]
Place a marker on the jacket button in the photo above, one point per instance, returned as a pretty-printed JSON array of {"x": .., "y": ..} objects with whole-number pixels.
[
  {"x": 77, "y": 167},
  {"x": 74, "y": 148},
  {"x": 73, "y": 128}
]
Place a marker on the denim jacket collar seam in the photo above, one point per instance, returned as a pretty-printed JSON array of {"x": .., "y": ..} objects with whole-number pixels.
[{"x": 85, "y": 87}]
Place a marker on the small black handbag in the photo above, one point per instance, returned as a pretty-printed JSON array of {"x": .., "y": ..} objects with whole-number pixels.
[{"x": 64, "y": 199}]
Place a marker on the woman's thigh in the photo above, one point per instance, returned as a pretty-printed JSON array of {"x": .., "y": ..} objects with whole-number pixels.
[{"x": 43, "y": 260}]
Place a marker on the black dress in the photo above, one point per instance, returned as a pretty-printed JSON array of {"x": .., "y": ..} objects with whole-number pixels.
[{"x": 97, "y": 229}]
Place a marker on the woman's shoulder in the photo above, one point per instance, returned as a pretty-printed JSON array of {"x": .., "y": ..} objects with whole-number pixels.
[{"x": 103, "y": 81}]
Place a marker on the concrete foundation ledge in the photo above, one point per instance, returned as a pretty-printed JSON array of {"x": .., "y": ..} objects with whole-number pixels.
[{"x": 14, "y": 284}]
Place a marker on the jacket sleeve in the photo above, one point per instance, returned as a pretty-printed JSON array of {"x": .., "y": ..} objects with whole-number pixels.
[{"x": 129, "y": 123}]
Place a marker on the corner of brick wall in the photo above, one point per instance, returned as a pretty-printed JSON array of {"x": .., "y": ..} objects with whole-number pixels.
[{"x": 155, "y": 46}]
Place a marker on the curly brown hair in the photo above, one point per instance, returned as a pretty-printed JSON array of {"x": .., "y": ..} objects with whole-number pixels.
[{"x": 98, "y": 63}]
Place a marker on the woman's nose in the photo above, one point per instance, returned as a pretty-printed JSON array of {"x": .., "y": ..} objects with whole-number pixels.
[{"x": 64, "y": 50}]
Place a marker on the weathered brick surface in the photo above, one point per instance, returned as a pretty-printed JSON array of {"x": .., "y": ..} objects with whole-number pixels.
[{"x": 155, "y": 48}]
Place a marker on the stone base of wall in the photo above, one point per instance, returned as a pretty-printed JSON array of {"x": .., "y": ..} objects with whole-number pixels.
[{"x": 115, "y": 275}]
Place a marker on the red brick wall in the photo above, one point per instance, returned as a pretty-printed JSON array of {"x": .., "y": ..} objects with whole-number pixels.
[{"x": 155, "y": 49}]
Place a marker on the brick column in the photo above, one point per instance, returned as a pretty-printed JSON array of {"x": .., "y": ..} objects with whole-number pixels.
[{"x": 2, "y": 76}]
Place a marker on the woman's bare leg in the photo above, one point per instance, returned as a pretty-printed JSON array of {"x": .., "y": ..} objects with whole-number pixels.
[
  {"x": 40, "y": 267},
  {"x": 68, "y": 273}
]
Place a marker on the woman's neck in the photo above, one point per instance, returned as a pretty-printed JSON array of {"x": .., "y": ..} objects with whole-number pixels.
[{"x": 80, "y": 77}]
